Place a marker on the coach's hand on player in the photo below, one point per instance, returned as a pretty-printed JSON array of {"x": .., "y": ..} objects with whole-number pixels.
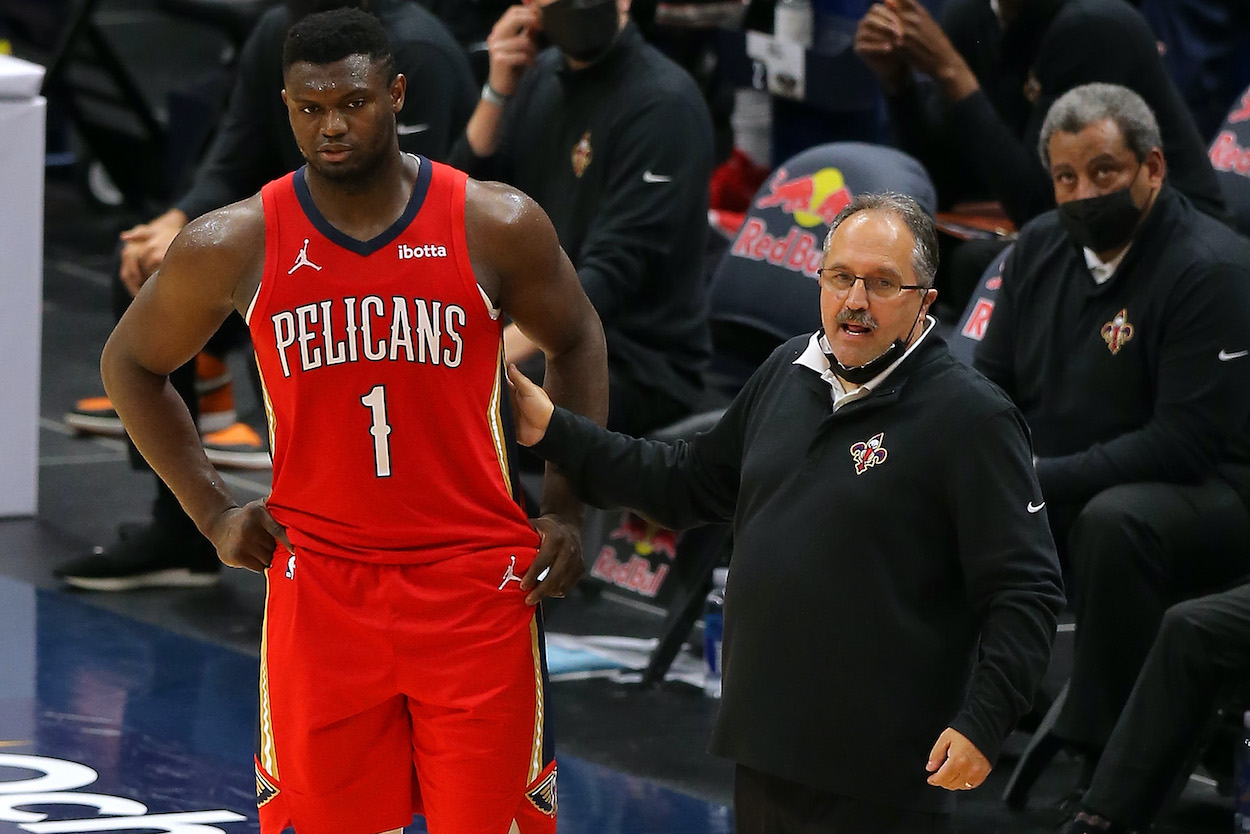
[
  {"x": 956, "y": 763},
  {"x": 559, "y": 554},
  {"x": 247, "y": 536},
  {"x": 513, "y": 46},
  {"x": 531, "y": 407}
]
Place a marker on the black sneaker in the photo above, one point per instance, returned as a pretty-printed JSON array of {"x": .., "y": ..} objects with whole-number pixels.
[{"x": 151, "y": 557}]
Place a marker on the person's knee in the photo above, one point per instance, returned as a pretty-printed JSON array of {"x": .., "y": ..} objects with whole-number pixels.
[
  {"x": 1182, "y": 624},
  {"x": 1106, "y": 532}
]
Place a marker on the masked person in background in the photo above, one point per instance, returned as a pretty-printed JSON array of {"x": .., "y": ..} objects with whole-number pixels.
[
  {"x": 614, "y": 141},
  {"x": 1122, "y": 331}
]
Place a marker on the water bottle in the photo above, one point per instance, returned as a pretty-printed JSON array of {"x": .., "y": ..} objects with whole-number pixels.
[
  {"x": 714, "y": 633},
  {"x": 1241, "y": 772},
  {"x": 793, "y": 21}
]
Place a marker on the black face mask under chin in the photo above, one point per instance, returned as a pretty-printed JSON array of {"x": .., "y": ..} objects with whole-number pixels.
[
  {"x": 870, "y": 370},
  {"x": 1101, "y": 223},
  {"x": 582, "y": 29},
  {"x": 863, "y": 373}
]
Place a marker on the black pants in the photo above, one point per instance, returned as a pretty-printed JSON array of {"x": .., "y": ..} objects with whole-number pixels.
[
  {"x": 765, "y": 804},
  {"x": 1203, "y": 645},
  {"x": 1136, "y": 549}
]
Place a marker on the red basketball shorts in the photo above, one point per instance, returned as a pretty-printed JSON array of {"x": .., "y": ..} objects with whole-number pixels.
[{"x": 393, "y": 690}]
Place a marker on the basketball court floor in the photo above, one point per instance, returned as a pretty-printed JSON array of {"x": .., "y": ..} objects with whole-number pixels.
[{"x": 137, "y": 711}]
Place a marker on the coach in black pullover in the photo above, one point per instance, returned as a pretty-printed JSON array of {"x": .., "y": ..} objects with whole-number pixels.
[
  {"x": 892, "y": 574},
  {"x": 1132, "y": 366},
  {"x": 617, "y": 149}
]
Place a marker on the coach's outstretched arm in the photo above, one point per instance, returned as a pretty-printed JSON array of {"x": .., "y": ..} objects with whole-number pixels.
[{"x": 518, "y": 262}]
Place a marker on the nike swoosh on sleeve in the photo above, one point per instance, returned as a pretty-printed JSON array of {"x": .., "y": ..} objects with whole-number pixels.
[
  {"x": 648, "y": 176},
  {"x": 408, "y": 130},
  {"x": 1226, "y": 356}
]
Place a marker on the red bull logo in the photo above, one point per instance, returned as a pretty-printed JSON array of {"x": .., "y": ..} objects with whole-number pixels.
[
  {"x": 812, "y": 200},
  {"x": 632, "y": 575},
  {"x": 643, "y": 541},
  {"x": 646, "y": 537}
]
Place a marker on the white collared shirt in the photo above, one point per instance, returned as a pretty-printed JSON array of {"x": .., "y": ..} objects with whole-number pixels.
[
  {"x": 1103, "y": 270},
  {"x": 813, "y": 357}
]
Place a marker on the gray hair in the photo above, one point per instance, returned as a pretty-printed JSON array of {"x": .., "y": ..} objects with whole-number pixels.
[
  {"x": 1083, "y": 106},
  {"x": 924, "y": 254}
]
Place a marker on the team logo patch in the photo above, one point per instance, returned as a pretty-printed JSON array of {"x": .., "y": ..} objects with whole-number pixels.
[
  {"x": 265, "y": 790},
  {"x": 869, "y": 453},
  {"x": 582, "y": 154},
  {"x": 543, "y": 794},
  {"x": 1117, "y": 332}
]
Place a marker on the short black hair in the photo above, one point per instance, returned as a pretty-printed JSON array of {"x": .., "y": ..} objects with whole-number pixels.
[{"x": 326, "y": 37}]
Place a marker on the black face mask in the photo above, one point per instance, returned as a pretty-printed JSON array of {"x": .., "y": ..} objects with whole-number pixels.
[
  {"x": 864, "y": 373},
  {"x": 581, "y": 29},
  {"x": 1101, "y": 223}
]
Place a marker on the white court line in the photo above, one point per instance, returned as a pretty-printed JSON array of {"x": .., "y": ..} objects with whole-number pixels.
[
  {"x": 257, "y": 487},
  {"x": 71, "y": 460}
]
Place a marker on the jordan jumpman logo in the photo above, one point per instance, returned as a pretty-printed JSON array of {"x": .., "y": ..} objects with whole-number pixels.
[
  {"x": 509, "y": 575},
  {"x": 302, "y": 259}
]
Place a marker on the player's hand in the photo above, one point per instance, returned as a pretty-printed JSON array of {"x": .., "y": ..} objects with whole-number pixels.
[
  {"x": 878, "y": 42},
  {"x": 247, "y": 536},
  {"x": 560, "y": 554},
  {"x": 513, "y": 47},
  {"x": 531, "y": 407},
  {"x": 955, "y": 762},
  {"x": 145, "y": 246}
]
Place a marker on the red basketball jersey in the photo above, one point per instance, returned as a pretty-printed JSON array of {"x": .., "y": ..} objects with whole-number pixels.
[{"x": 383, "y": 380}]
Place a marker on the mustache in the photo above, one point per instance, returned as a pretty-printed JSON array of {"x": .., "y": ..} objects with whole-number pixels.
[{"x": 861, "y": 317}]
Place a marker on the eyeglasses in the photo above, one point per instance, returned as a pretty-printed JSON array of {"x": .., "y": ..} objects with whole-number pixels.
[{"x": 882, "y": 287}]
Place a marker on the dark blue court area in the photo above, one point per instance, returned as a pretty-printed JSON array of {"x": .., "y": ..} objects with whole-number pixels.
[{"x": 109, "y": 724}]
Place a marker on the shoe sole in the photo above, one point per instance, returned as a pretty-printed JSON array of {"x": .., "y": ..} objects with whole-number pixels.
[
  {"x": 112, "y": 426},
  {"x": 85, "y": 424},
  {"x": 238, "y": 460},
  {"x": 172, "y": 578},
  {"x": 217, "y": 420}
]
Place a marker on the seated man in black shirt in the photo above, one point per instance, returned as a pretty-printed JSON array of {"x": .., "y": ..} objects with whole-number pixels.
[
  {"x": 614, "y": 141},
  {"x": 1122, "y": 331}
]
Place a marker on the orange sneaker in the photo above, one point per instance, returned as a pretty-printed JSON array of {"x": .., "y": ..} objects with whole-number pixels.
[{"x": 238, "y": 447}]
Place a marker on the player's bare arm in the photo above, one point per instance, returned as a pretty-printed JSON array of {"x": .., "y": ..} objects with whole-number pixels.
[
  {"x": 212, "y": 268},
  {"x": 518, "y": 261}
]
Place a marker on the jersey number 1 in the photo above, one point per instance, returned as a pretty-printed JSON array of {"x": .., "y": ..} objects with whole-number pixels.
[{"x": 375, "y": 401}]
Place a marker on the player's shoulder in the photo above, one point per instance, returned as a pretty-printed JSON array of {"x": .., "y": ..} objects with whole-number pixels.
[
  {"x": 238, "y": 226},
  {"x": 497, "y": 202}
]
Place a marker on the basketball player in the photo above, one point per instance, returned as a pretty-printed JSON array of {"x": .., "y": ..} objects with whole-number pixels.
[{"x": 402, "y": 658}]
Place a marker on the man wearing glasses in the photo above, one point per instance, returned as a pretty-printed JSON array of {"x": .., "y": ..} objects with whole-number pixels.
[{"x": 893, "y": 589}]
